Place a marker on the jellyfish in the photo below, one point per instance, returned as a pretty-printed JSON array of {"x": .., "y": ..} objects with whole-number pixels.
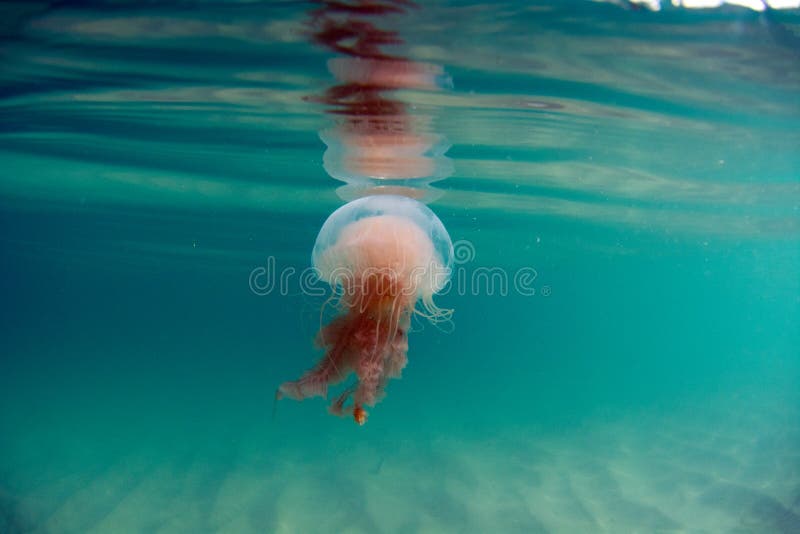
[{"x": 385, "y": 257}]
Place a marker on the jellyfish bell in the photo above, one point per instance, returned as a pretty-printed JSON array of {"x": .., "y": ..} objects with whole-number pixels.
[
  {"x": 385, "y": 256},
  {"x": 385, "y": 234}
]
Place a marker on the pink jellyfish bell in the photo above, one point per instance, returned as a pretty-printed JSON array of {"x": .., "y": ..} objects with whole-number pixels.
[{"x": 385, "y": 256}]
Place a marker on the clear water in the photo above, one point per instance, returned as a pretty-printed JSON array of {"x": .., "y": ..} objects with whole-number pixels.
[{"x": 644, "y": 164}]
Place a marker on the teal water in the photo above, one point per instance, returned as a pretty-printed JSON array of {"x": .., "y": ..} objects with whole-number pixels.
[{"x": 643, "y": 164}]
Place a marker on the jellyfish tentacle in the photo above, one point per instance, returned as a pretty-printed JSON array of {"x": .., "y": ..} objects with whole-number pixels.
[
  {"x": 319, "y": 341},
  {"x": 397, "y": 358},
  {"x": 337, "y": 407},
  {"x": 370, "y": 372},
  {"x": 314, "y": 383},
  {"x": 331, "y": 369},
  {"x": 329, "y": 335}
]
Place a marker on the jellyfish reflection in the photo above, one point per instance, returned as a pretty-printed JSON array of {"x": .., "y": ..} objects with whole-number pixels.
[{"x": 375, "y": 141}]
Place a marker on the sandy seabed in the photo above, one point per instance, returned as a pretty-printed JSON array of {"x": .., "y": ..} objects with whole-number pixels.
[{"x": 735, "y": 469}]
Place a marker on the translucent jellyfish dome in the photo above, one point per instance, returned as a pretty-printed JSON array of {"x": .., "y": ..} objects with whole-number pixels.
[{"x": 386, "y": 233}]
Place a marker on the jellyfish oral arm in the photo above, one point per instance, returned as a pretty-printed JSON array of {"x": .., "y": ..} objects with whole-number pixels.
[{"x": 331, "y": 369}]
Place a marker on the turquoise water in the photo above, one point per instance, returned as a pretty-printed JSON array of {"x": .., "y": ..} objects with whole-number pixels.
[{"x": 643, "y": 164}]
